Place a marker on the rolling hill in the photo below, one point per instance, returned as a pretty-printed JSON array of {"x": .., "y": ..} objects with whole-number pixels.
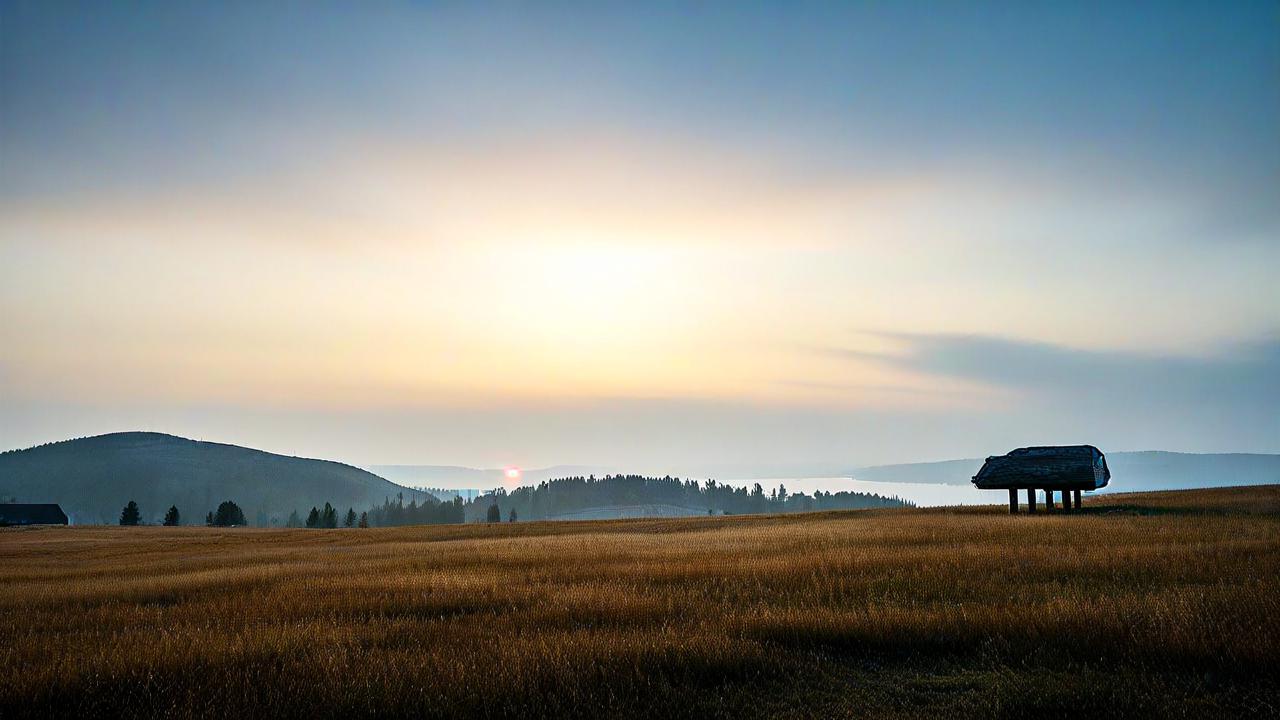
[{"x": 92, "y": 478}]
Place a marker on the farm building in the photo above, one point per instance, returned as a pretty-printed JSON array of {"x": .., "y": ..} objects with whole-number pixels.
[
  {"x": 32, "y": 514},
  {"x": 1065, "y": 469}
]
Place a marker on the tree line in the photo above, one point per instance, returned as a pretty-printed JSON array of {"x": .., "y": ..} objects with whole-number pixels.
[
  {"x": 552, "y": 498},
  {"x": 430, "y": 511},
  {"x": 327, "y": 517},
  {"x": 567, "y": 495},
  {"x": 228, "y": 514}
]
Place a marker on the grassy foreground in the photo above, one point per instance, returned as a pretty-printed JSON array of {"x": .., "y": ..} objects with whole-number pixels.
[{"x": 1161, "y": 604}]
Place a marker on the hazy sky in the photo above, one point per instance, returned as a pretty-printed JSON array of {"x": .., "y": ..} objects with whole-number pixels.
[{"x": 537, "y": 233}]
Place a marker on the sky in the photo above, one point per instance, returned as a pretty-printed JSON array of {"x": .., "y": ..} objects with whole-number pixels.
[{"x": 794, "y": 235}]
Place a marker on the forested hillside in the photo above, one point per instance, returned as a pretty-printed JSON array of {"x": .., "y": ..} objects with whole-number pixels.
[{"x": 92, "y": 479}]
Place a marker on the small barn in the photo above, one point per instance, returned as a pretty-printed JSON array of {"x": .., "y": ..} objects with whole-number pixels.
[
  {"x": 1067, "y": 469},
  {"x": 32, "y": 514}
]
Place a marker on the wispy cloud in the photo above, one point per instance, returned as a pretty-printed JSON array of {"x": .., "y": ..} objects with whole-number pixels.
[{"x": 1242, "y": 379}]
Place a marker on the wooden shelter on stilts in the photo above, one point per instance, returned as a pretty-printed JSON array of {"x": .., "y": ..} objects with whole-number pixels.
[{"x": 1067, "y": 470}]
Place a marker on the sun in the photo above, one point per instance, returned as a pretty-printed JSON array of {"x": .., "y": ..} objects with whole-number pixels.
[{"x": 511, "y": 472}]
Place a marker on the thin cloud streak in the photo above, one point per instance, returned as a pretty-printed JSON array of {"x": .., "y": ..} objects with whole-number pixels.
[{"x": 1241, "y": 382}]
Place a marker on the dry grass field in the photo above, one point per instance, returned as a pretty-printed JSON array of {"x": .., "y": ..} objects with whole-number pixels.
[{"x": 1163, "y": 604}]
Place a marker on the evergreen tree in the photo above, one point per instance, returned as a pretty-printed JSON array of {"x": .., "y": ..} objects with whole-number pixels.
[
  {"x": 350, "y": 520},
  {"x": 758, "y": 501},
  {"x": 294, "y": 521},
  {"x": 512, "y": 516},
  {"x": 364, "y": 519},
  {"x": 329, "y": 518},
  {"x": 495, "y": 514},
  {"x": 171, "y": 517},
  {"x": 208, "y": 519},
  {"x": 313, "y": 519},
  {"x": 130, "y": 515},
  {"x": 229, "y": 514}
]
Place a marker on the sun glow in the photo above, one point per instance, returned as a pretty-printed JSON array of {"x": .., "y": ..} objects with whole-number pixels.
[{"x": 512, "y": 473}]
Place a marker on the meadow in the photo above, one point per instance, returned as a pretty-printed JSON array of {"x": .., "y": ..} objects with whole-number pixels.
[{"x": 1153, "y": 604}]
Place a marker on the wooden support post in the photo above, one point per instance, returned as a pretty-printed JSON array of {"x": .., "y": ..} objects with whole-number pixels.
[
  {"x": 1077, "y": 499},
  {"x": 1031, "y": 500},
  {"x": 1066, "y": 501},
  {"x": 1013, "y": 501},
  {"x": 1048, "y": 501}
]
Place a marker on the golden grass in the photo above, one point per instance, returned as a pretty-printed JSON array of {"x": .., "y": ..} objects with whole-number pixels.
[{"x": 1157, "y": 604}]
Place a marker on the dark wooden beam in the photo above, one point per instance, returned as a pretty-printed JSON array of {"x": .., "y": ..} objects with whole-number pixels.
[
  {"x": 1066, "y": 500},
  {"x": 1031, "y": 500},
  {"x": 1013, "y": 501},
  {"x": 1048, "y": 501},
  {"x": 1077, "y": 499}
]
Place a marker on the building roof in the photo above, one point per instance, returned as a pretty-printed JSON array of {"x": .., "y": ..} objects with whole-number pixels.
[
  {"x": 32, "y": 514},
  {"x": 1067, "y": 467}
]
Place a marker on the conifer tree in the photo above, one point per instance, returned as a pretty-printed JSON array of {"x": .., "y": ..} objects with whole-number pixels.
[
  {"x": 130, "y": 515},
  {"x": 229, "y": 514}
]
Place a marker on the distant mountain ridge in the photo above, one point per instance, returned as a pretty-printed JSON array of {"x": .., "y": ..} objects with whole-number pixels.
[
  {"x": 458, "y": 477},
  {"x": 92, "y": 478},
  {"x": 1142, "y": 470},
  {"x": 455, "y": 477}
]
